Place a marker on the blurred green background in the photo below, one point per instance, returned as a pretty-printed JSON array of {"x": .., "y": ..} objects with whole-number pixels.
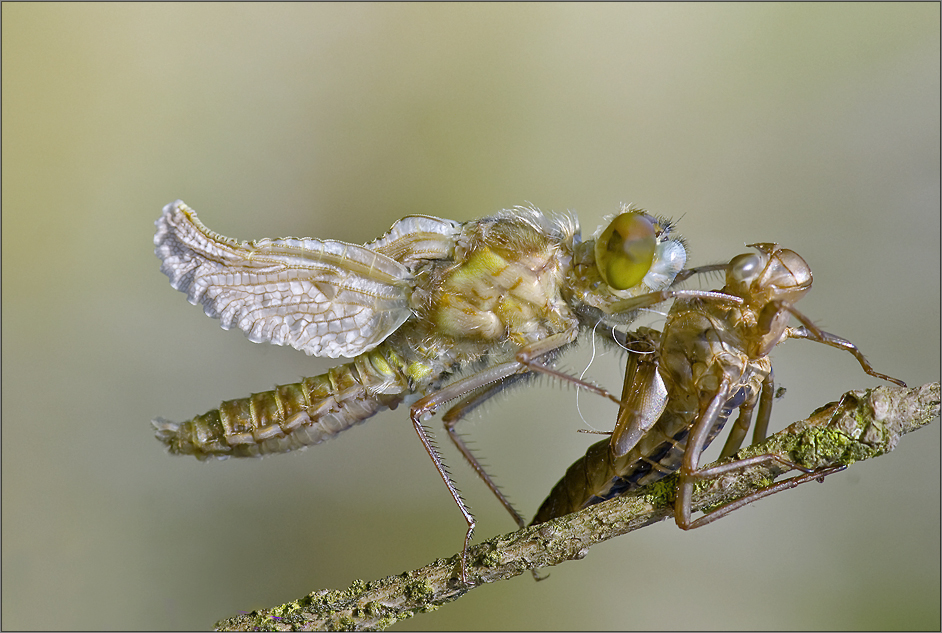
[{"x": 816, "y": 126}]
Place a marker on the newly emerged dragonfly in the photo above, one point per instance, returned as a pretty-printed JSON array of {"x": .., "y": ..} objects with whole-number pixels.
[
  {"x": 682, "y": 384},
  {"x": 495, "y": 299}
]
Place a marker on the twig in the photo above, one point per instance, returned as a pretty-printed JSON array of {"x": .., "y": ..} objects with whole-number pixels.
[{"x": 862, "y": 425}]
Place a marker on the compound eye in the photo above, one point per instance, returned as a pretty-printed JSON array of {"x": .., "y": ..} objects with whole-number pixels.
[
  {"x": 746, "y": 267},
  {"x": 625, "y": 250}
]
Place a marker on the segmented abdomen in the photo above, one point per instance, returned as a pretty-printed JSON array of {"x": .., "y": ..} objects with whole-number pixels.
[
  {"x": 596, "y": 477},
  {"x": 291, "y": 416}
]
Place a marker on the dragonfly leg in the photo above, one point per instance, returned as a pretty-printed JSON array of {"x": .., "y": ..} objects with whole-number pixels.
[
  {"x": 738, "y": 432},
  {"x": 487, "y": 381},
  {"x": 431, "y": 403},
  {"x": 696, "y": 441},
  {"x": 788, "y": 484},
  {"x": 687, "y": 273},
  {"x": 510, "y": 372},
  {"x": 440, "y": 466},
  {"x": 451, "y": 419},
  {"x": 811, "y": 332},
  {"x": 538, "y": 367},
  {"x": 652, "y": 298},
  {"x": 529, "y": 355},
  {"x": 761, "y": 430},
  {"x": 690, "y": 471}
]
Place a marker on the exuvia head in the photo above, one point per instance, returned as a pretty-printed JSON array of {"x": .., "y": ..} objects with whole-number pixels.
[{"x": 772, "y": 274}]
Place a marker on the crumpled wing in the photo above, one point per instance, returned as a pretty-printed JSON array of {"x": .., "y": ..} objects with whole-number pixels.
[
  {"x": 416, "y": 239},
  {"x": 323, "y": 297},
  {"x": 644, "y": 396}
]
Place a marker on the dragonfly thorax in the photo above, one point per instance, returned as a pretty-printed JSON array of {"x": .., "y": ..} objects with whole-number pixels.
[{"x": 504, "y": 282}]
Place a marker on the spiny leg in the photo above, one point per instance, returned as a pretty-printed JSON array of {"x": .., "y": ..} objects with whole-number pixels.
[
  {"x": 439, "y": 465},
  {"x": 482, "y": 386},
  {"x": 536, "y": 366},
  {"x": 527, "y": 357},
  {"x": 427, "y": 407},
  {"x": 430, "y": 403},
  {"x": 451, "y": 419},
  {"x": 459, "y": 412}
]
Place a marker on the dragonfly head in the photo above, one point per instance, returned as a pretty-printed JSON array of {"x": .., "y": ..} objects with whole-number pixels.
[
  {"x": 634, "y": 248},
  {"x": 632, "y": 254},
  {"x": 772, "y": 274}
]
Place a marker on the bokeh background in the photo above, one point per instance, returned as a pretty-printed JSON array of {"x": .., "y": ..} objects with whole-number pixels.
[{"x": 816, "y": 126}]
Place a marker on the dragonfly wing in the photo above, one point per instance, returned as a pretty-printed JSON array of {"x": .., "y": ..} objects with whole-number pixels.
[
  {"x": 418, "y": 238},
  {"x": 323, "y": 297},
  {"x": 644, "y": 399}
]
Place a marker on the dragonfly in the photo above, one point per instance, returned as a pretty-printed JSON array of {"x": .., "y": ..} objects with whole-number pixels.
[
  {"x": 683, "y": 383},
  {"x": 433, "y": 311}
]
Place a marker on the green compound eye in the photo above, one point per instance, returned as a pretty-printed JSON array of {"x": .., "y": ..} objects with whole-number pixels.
[{"x": 625, "y": 250}]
